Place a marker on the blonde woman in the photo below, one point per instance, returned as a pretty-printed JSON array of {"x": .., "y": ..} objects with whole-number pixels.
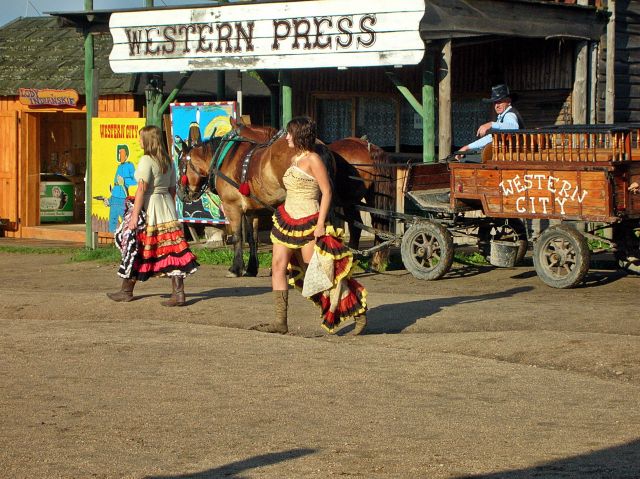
[{"x": 150, "y": 236}]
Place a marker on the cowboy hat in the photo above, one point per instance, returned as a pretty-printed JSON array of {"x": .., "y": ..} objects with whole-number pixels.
[{"x": 498, "y": 92}]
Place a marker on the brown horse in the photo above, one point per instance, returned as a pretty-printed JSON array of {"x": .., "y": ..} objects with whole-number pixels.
[{"x": 253, "y": 159}]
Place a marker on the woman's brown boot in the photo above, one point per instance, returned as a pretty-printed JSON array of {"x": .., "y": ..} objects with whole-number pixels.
[
  {"x": 126, "y": 291},
  {"x": 279, "y": 325},
  {"x": 361, "y": 324},
  {"x": 177, "y": 293}
]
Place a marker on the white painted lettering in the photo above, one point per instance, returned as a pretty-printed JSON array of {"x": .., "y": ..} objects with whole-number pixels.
[
  {"x": 518, "y": 184},
  {"x": 506, "y": 191},
  {"x": 528, "y": 184},
  {"x": 544, "y": 202},
  {"x": 519, "y": 208},
  {"x": 539, "y": 178},
  {"x": 566, "y": 187}
]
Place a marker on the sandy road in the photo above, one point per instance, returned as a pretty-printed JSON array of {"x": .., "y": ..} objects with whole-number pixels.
[{"x": 487, "y": 373}]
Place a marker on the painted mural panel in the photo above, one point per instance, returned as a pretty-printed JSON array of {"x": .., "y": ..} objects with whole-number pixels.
[
  {"x": 115, "y": 151},
  {"x": 193, "y": 123}
]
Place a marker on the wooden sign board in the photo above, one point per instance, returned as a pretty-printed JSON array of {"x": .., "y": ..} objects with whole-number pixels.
[
  {"x": 536, "y": 192},
  {"x": 38, "y": 97},
  {"x": 311, "y": 34}
]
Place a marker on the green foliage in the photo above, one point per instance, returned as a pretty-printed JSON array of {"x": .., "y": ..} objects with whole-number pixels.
[
  {"x": 475, "y": 258},
  {"x": 32, "y": 250},
  {"x": 224, "y": 256},
  {"x": 110, "y": 254}
]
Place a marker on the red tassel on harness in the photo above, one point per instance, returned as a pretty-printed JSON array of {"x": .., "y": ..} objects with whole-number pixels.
[
  {"x": 183, "y": 180},
  {"x": 244, "y": 189}
]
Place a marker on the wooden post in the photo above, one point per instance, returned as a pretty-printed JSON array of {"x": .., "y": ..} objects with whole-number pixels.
[
  {"x": 221, "y": 91},
  {"x": 594, "y": 50},
  {"x": 88, "y": 95},
  {"x": 610, "y": 95},
  {"x": 285, "y": 86},
  {"x": 444, "y": 101},
  {"x": 428, "y": 117},
  {"x": 579, "y": 97},
  {"x": 153, "y": 94}
]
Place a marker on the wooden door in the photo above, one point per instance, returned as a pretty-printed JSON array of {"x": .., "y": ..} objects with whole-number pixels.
[{"x": 9, "y": 169}]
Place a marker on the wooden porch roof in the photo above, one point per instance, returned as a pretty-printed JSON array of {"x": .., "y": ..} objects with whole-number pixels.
[{"x": 446, "y": 19}]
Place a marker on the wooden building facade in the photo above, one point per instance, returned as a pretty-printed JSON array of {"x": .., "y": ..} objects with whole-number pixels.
[
  {"x": 37, "y": 139},
  {"x": 534, "y": 47}
]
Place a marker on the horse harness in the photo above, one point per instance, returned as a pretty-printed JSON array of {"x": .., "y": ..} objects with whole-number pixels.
[{"x": 227, "y": 143}]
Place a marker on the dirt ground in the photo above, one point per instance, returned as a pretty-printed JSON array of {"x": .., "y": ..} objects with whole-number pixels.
[{"x": 487, "y": 373}]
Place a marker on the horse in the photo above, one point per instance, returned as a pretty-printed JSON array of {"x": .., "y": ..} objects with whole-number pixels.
[{"x": 248, "y": 180}]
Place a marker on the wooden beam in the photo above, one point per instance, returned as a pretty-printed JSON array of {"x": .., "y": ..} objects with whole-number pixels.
[
  {"x": 88, "y": 95},
  {"x": 610, "y": 82},
  {"x": 532, "y": 19},
  {"x": 579, "y": 98},
  {"x": 428, "y": 116},
  {"x": 286, "y": 97},
  {"x": 415, "y": 104},
  {"x": 444, "y": 101}
]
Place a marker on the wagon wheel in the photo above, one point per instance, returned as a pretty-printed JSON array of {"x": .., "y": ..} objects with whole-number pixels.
[
  {"x": 427, "y": 250},
  {"x": 512, "y": 230},
  {"x": 561, "y": 256},
  {"x": 627, "y": 252}
]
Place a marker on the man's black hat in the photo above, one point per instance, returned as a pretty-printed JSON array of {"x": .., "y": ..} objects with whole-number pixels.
[{"x": 498, "y": 92}]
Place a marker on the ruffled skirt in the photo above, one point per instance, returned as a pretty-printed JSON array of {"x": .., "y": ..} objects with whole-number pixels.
[
  {"x": 159, "y": 247},
  {"x": 346, "y": 297}
]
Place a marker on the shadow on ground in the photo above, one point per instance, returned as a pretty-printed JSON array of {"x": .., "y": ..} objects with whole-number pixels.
[
  {"x": 394, "y": 318},
  {"x": 619, "y": 462},
  {"x": 235, "y": 468}
]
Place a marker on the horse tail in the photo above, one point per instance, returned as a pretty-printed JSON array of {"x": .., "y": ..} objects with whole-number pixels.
[
  {"x": 382, "y": 187},
  {"x": 330, "y": 164}
]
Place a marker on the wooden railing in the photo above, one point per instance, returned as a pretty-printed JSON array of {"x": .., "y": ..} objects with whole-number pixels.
[{"x": 587, "y": 143}]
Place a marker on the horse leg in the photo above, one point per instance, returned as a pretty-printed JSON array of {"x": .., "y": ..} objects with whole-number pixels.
[
  {"x": 352, "y": 215},
  {"x": 235, "y": 220},
  {"x": 251, "y": 225},
  {"x": 379, "y": 259}
]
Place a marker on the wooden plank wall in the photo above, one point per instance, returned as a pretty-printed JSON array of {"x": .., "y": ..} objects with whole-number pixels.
[
  {"x": 8, "y": 171},
  {"x": 540, "y": 71},
  {"x": 20, "y": 160},
  {"x": 627, "y": 65}
]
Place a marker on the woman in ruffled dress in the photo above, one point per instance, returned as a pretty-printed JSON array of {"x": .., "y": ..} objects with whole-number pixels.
[
  {"x": 150, "y": 236},
  {"x": 299, "y": 230}
]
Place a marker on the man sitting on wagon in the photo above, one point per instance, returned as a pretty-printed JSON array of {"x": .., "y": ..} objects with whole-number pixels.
[{"x": 508, "y": 118}]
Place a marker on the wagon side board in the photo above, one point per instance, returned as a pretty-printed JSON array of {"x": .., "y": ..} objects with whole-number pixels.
[{"x": 559, "y": 191}]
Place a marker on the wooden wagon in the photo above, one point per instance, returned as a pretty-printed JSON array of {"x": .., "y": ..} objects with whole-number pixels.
[{"x": 562, "y": 176}]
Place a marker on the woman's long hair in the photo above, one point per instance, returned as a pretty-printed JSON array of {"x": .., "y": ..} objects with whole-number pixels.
[
  {"x": 152, "y": 145},
  {"x": 303, "y": 133}
]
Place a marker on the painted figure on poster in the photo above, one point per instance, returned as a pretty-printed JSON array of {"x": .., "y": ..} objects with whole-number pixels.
[{"x": 123, "y": 179}]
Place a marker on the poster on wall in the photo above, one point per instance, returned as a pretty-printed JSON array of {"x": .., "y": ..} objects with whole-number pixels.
[
  {"x": 193, "y": 123},
  {"x": 115, "y": 152}
]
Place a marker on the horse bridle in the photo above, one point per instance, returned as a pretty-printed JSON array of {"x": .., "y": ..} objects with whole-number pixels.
[
  {"x": 185, "y": 191},
  {"x": 217, "y": 158}
]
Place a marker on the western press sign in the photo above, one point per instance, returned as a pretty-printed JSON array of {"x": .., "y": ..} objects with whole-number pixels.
[{"x": 311, "y": 34}]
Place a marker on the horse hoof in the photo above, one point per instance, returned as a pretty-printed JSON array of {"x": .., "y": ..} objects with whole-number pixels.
[{"x": 230, "y": 275}]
